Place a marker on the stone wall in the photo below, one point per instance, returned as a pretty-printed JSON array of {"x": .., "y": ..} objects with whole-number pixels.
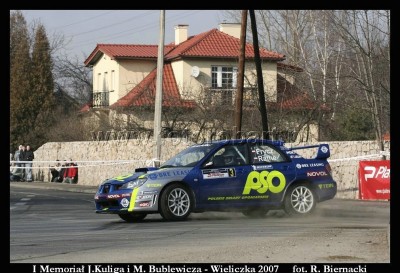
[{"x": 138, "y": 153}]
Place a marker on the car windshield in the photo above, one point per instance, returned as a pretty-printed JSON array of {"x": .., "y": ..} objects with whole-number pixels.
[{"x": 189, "y": 157}]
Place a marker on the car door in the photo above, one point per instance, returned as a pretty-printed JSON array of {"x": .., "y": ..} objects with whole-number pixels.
[
  {"x": 221, "y": 180},
  {"x": 272, "y": 171}
]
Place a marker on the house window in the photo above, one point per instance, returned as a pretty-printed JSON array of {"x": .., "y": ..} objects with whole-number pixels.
[
  {"x": 106, "y": 87},
  {"x": 112, "y": 83},
  {"x": 223, "y": 83},
  {"x": 223, "y": 77},
  {"x": 99, "y": 82}
]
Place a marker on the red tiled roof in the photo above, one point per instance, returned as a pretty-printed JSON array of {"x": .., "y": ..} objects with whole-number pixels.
[
  {"x": 211, "y": 44},
  {"x": 217, "y": 44},
  {"x": 125, "y": 51},
  {"x": 291, "y": 98},
  {"x": 144, "y": 93}
]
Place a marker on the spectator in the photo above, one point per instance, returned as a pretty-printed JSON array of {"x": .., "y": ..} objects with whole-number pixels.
[
  {"x": 29, "y": 156},
  {"x": 17, "y": 173},
  {"x": 17, "y": 170},
  {"x": 71, "y": 173},
  {"x": 63, "y": 171},
  {"x": 55, "y": 172},
  {"x": 11, "y": 164}
]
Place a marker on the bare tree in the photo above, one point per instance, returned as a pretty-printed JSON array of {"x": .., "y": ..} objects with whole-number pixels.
[{"x": 367, "y": 35}]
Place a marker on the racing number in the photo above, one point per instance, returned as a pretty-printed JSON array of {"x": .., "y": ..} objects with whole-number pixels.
[{"x": 262, "y": 181}]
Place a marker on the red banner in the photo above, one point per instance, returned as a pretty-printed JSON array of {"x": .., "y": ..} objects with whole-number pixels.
[{"x": 374, "y": 180}]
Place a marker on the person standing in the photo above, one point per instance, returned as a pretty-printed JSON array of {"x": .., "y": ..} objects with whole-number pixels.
[
  {"x": 21, "y": 157},
  {"x": 29, "y": 156}
]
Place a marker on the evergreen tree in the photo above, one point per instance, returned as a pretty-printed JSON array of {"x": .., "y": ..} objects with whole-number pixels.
[
  {"x": 20, "y": 84},
  {"x": 41, "y": 100}
]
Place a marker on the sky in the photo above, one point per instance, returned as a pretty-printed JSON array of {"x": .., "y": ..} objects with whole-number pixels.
[{"x": 84, "y": 29}]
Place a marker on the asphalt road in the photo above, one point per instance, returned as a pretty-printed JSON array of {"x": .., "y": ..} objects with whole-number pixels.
[{"x": 57, "y": 224}]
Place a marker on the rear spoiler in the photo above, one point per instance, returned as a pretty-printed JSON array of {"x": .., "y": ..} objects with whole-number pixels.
[{"x": 323, "y": 150}]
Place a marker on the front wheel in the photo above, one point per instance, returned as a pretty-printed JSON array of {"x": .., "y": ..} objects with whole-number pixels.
[
  {"x": 300, "y": 200},
  {"x": 132, "y": 217},
  {"x": 175, "y": 203}
]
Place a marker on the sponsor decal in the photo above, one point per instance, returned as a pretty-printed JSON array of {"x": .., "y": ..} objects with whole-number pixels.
[
  {"x": 152, "y": 176},
  {"x": 324, "y": 149},
  {"x": 263, "y": 181},
  {"x": 219, "y": 173},
  {"x": 306, "y": 165},
  {"x": 144, "y": 196},
  {"x": 153, "y": 185},
  {"x": 124, "y": 202},
  {"x": 326, "y": 186},
  {"x": 261, "y": 167},
  {"x": 180, "y": 172},
  {"x": 317, "y": 164},
  {"x": 144, "y": 204},
  {"x": 113, "y": 196},
  {"x": 295, "y": 156},
  {"x": 147, "y": 192},
  {"x": 162, "y": 175},
  {"x": 243, "y": 197},
  {"x": 125, "y": 194},
  {"x": 320, "y": 173}
]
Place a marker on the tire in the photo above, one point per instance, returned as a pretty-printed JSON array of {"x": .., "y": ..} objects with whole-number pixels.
[
  {"x": 132, "y": 217},
  {"x": 175, "y": 203},
  {"x": 255, "y": 212},
  {"x": 300, "y": 200}
]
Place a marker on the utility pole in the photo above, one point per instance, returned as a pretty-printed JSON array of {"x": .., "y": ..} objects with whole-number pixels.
[
  {"x": 240, "y": 79},
  {"x": 158, "y": 102},
  {"x": 260, "y": 82}
]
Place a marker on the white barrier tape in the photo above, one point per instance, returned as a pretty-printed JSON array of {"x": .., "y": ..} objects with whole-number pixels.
[
  {"x": 79, "y": 161},
  {"x": 149, "y": 163},
  {"x": 356, "y": 158}
]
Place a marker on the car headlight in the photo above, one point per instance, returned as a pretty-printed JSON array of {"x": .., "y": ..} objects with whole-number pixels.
[{"x": 134, "y": 183}]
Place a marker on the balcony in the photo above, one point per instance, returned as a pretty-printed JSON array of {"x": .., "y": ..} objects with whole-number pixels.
[
  {"x": 101, "y": 99},
  {"x": 219, "y": 96}
]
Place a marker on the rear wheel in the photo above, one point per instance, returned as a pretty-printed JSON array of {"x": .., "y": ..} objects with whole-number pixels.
[
  {"x": 300, "y": 200},
  {"x": 132, "y": 217},
  {"x": 255, "y": 212},
  {"x": 175, "y": 202}
]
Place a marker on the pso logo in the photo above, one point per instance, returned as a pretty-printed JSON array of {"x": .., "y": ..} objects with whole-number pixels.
[{"x": 263, "y": 181}]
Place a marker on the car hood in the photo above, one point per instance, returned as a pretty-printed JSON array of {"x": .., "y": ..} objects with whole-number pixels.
[{"x": 122, "y": 179}]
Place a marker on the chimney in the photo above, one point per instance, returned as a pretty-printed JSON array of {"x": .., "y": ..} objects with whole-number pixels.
[
  {"x": 232, "y": 29},
  {"x": 181, "y": 33}
]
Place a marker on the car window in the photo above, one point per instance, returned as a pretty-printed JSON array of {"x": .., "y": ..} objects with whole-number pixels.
[
  {"x": 230, "y": 155},
  {"x": 261, "y": 154}
]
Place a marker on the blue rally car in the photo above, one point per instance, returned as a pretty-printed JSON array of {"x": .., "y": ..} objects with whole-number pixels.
[{"x": 251, "y": 176}]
